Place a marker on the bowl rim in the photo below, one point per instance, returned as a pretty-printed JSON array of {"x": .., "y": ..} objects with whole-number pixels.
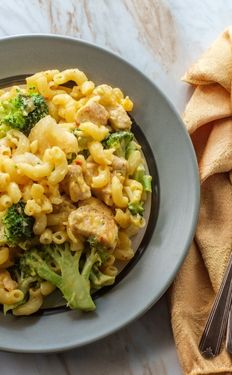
[{"x": 195, "y": 197}]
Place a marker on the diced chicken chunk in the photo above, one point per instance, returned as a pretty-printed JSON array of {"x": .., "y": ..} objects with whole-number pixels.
[
  {"x": 119, "y": 165},
  {"x": 93, "y": 220},
  {"x": 105, "y": 194},
  {"x": 74, "y": 184},
  {"x": 96, "y": 203},
  {"x": 119, "y": 119},
  {"x": 94, "y": 112}
]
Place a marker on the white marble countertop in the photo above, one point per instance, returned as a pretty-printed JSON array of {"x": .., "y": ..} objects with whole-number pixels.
[{"x": 161, "y": 38}]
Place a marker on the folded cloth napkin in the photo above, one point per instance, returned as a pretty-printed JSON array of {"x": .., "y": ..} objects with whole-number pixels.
[{"x": 208, "y": 118}]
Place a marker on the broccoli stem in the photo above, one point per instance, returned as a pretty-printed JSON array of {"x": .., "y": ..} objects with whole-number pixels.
[
  {"x": 99, "y": 279},
  {"x": 139, "y": 173},
  {"x": 46, "y": 273},
  {"x": 131, "y": 147},
  {"x": 144, "y": 179},
  {"x": 147, "y": 183},
  {"x": 92, "y": 258}
]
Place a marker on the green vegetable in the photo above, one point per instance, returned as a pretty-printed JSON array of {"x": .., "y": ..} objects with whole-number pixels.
[
  {"x": 18, "y": 227},
  {"x": 143, "y": 178},
  {"x": 131, "y": 148},
  {"x": 119, "y": 141},
  {"x": 147, "y": 179},
  {"x": 94, "y": 243},
  {"x": 99, "y": 279},
  {"x": 22, "y": 112},
  {"x": 76, "y": 274},
  {"x": 136, "y": 208},
  {"x": 21, "y": 273},
  {"x": 68, "y": 271}
]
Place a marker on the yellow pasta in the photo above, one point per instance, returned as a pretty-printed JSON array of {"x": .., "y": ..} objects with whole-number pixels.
[
  {"x": 40, "y": 224},
  {"x": 5, "y": 201},
  {"x": 117, "y": 195},
  {"x": 110, "y": 270},
  {"x": 67, "y": 106},
  {"x": 46, "y": 237},
  {"x": 32, "y": 208},
  {"x": 20, "y": 141},
  {"x": 127, "y": 104},
  {"x": 59, "y": 237},
  {"x": 37, "y": 191},
  {"x": 33, "y": 304},
  {"x": 58, "y": 218},
  {"x": 98, "y": 133},
  {"x": 34, "y": 146},
  {"x": 123, "y": 250},
  {"x": 70, "y": 75},
  {"x": 47, "y": 133},
  {"x": 10, "y": 297},
  {"x": 87, "y": 87},
  {"x": 102, "y": 179},
  {"x": 4, "y": 255},
  {"x": 35, "y": 172},
  {"x": 133, "y": 161},
  {"x": 99, "y": 155},
  {"x": 59, "y": 162},
  {"x": 46, "y": 288},
  {"x": 122, "y": 218},
  {"x": 4, "y": 181},
  {"x": 14, "y": 192}
]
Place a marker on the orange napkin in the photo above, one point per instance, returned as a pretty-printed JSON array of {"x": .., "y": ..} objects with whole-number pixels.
[{"x": 208, "y": 118}]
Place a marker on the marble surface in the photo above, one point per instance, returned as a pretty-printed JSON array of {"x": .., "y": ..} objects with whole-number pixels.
[{"x": 161, "y": 38}]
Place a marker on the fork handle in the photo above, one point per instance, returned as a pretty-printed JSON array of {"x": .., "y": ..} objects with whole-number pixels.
[
  {"x": 214, "y": 332},
  {"x": 229, "y": 333}
]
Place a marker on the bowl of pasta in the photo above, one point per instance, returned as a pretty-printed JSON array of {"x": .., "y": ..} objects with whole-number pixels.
[{"x": 99, "y": 193}]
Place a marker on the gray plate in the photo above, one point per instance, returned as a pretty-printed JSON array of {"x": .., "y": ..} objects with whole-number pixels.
[{"x": 179, "y": 197}]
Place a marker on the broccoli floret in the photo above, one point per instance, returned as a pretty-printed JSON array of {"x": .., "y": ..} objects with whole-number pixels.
[
  {"x": 136, "y": 208},
  {"x": 131, "y": 148},
  {"x": 17, "y": 226},
  {"x": 22, "y": 112},
  {"x": 119, "y": 141},
  {"x": 145, "y": 179},
  {"x": 99, "y": 279},
  {"x": 22, "y": 274},
  {"x": 94, "y": 243},
  {"x": 61, "y": 267}
]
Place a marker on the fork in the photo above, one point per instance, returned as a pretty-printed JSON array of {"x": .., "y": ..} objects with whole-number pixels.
[{"x": 215, "y": 329}]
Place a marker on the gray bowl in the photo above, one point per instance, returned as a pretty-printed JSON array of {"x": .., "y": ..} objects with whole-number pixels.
[{"x": 179, "y": 196}]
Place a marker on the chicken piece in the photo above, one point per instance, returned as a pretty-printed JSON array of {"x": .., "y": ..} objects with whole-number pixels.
[
  {"x": 119, "y": 165},
  {"x": 119, "y": 118},
  {"x": 94, "y": 112},
  {"x": 90, "y": 171},
  {"x": 96, "y": 203},
  {"x": 74, "y": 184},
  {"x": 94, "y": 220},
  {"x": 105, "y": 194}
]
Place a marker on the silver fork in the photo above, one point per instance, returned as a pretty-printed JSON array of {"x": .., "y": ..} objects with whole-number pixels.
[{"x": 215, "y": 329}]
